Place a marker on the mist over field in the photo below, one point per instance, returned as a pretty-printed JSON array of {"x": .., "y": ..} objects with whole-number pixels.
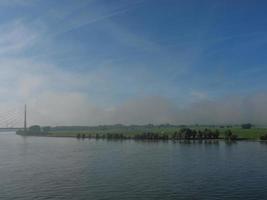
[{"x": 76, "y": 109}]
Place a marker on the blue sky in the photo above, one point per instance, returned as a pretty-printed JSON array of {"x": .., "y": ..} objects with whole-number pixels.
[{"x": 102, "y": 57}]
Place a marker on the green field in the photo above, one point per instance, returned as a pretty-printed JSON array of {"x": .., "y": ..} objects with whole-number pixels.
[{"x": 253, "y": 133}]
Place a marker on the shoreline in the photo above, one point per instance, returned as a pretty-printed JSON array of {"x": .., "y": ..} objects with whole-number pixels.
[
  {"x": 151, "y": 133},
  {"x": 122, "y": 139}
]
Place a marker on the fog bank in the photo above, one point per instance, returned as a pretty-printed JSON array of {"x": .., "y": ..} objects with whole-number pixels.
[{"x": 77, "y": 109}]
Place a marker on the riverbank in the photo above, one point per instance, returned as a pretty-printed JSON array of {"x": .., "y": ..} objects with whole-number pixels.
[{"x": 157, "y": 133}]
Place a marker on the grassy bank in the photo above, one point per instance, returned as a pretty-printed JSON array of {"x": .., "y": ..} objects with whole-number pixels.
[{"x": 253, "y": 133}]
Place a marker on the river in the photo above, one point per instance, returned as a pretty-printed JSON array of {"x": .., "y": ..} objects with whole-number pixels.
[{"x": 67, "y": 168}]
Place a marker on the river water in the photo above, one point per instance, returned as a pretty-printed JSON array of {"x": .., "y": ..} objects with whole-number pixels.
[{"x": 67, "y": 168}]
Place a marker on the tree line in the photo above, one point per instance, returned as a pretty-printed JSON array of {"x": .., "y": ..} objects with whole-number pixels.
[{"x": 182, "y": 134}]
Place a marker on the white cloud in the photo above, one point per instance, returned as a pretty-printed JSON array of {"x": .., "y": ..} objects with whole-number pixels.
[
  {"x": 16, "y": 36},
  {"x": 198, "y": 95}
]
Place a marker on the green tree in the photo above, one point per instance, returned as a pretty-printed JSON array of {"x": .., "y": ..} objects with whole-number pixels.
[
  {"x": 263, "y": 137},
  {"x": 36, "y": 129},
  {"x": 46, "y": 129},
  {"x": 246, "y": 126},
  {"x": 216, "y": 134}
]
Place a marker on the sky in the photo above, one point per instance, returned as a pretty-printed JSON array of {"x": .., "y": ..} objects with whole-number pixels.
[{"x": 95, "y": 62}]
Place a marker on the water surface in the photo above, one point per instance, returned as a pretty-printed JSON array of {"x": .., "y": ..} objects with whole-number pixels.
[{"x": 67, "y": 168}]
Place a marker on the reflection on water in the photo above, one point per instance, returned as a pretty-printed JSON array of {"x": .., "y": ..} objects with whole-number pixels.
[
  {"x": 66, "y": 168},
  {"x": 216, "y": 142}
]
